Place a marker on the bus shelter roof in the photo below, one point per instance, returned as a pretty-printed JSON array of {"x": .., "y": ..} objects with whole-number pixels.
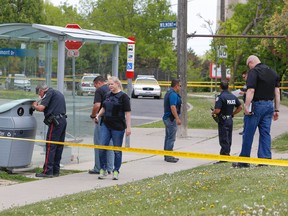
[{"x": 46, "y": 33}]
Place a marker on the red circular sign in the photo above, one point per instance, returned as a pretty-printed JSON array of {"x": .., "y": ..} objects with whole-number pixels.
[{"x": 70, "y": 44}]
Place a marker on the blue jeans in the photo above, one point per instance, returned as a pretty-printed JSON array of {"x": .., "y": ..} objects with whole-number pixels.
[
  {"x": 170, "y": 135},
  {"x": 110, "y": 154},
  {"x": 117, "y": 138},
  {"x": 262, "y": 118}
]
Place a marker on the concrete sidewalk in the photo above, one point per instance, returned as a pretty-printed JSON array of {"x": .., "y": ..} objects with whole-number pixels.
[{"x": 135, "y": 166}]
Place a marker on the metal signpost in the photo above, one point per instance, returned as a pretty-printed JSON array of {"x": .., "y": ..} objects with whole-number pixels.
[
  {"x": 130, "y": 73},
  {"x": 73, "y": 51}
]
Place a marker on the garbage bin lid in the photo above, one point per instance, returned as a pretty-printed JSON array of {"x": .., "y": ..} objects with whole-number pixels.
[{"x": 7, "y": 106}]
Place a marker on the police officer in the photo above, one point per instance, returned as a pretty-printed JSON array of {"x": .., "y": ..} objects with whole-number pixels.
[
  {"x": 54, "y": 107},
  {"x": 225, "y": 108}
]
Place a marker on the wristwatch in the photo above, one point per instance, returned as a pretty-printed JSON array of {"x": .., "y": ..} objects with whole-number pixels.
[
  {"x": 92, "y": 117},
  {"x": 276, "y": 110}
]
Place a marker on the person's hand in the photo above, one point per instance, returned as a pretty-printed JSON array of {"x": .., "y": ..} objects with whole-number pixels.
[
  {"x": 275, "y": 116},
  {"x": 96, "y": 119},
  {"x": 128, "y": 131},
  {"x": 34, "y": 104},
  {"x": 247, "y": 111},
  {"x": 178, "y": 121}
]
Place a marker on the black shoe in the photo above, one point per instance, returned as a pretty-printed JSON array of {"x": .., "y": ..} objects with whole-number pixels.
[
  {"x": 93, "y": 172},
  {"x": 43, "y": 175},
  {"x": 240, "y": 165},
  {"x": 171, "y": 160},
  {"x": 220, "y": 162},
  {"x": 56, "y": 175}
]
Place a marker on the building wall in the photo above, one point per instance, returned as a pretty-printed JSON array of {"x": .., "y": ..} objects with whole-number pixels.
[{"x": 228, "y": 13}]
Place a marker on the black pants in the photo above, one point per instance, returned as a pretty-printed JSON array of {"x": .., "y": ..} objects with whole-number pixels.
[
  {"x": 54, "y": 151},
  {"x": 225, "y": 128}
]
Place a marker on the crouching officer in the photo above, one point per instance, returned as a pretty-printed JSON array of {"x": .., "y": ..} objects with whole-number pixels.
[
  {"x": 225, "y": 105},
  {"x": 54, "y": 107}
]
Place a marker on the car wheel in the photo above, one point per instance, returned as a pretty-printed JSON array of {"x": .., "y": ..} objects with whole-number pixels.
[{"x": 133, "y": 95}]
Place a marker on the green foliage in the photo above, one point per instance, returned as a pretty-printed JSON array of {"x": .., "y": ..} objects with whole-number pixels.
[
  {"x": 248, "y": 19},
  {"x": 141, "y": 20},
  {"x": 19, "y": 11},
  {"x": 209, "y": 190}
]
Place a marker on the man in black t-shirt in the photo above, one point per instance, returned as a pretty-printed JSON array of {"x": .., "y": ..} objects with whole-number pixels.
[
  {"x": 101, "y": 89},
  {"x": 261, "y": 106},
  {"x": 54, "y": 107}
]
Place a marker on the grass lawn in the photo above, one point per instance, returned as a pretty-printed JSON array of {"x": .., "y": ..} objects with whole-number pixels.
[
  {"x": 210, "y": 190},
  {"x": 200, "y": 115}
]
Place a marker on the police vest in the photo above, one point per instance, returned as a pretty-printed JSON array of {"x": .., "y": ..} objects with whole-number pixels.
[{"x": 113, "y": 106}]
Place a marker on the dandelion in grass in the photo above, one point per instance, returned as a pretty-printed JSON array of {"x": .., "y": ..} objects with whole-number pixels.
[{"x": 263, "y": 197}]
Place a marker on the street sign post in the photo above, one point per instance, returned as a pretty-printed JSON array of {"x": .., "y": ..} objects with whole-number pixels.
[
  {"x": 168, "y": 24},
  {"x": 73, "y": 51},
  {"x": 222, "y": 52}
]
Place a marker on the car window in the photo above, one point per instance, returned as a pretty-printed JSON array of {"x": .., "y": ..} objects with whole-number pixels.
[
  {"x": 20, "y": 77},
  {"x": 88, "y": 79},
  {"x": 147, "y": 81}
]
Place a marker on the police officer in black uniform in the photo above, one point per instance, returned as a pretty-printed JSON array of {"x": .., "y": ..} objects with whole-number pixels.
[
  {"x": 54, "y": 107},
  {"x": 225, "y": 108}
]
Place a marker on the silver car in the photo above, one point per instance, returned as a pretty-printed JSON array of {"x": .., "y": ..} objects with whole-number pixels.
[
  {"x": 146, "y": 86},
  {"x": 22, "y": 82},
  {"x": 86, "y": 85}
]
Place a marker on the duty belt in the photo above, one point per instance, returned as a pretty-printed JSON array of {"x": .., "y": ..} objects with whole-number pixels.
[
  {"x": 224, "y": 117},
  {"x": 60, "y": 116}
]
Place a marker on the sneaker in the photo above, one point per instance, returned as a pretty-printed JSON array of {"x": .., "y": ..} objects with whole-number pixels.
[
  {"x": 103, "y": 174},
  {"x": 171, "y": 160},
  {"x": 115, "y": 175},
  {"x": 92, "y": 171},
  {"x": 43, "y": 175}
]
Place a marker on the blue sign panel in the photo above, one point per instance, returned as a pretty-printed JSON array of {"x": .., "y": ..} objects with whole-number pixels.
[
  {"x": 168, "y": 24},
  {"x": 129, "y": 66},
  {"x": 14, "y": 52}
]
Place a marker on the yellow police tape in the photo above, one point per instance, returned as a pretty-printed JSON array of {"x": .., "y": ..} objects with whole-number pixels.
[{"x": 168, "y": 153}]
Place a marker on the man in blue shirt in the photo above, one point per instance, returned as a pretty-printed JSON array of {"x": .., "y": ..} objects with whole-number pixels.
[{"x": 172, "y": 110}]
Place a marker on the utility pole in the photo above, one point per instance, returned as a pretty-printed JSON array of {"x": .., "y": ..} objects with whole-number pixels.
[
  {"x": 222, "y": 18},
  {"x": 182, "y": 62}
]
